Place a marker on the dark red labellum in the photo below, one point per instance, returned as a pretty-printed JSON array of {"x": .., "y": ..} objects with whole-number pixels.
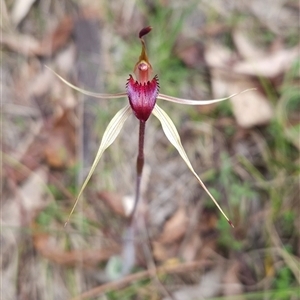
[{"x": 142, "y": 96}]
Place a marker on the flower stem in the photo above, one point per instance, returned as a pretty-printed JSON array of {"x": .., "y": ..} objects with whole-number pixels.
[{"x": 139, "y": 166}]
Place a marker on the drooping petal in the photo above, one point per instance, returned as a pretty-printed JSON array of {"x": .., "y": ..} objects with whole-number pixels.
[
  {"x": 174, "y": 138},
  {"x": 88, "y": 93},
  {"x": 142, "y": 96},
  {"x": 197, "y": 102},
  {"x": 112, "y": 131}
]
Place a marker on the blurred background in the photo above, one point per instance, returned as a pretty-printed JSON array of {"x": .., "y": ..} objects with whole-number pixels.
[{"x": 246, "y": 150}]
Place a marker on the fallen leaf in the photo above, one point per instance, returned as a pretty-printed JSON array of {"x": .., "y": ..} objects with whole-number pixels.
[
  {"x": 29, "y": 46},
  {"x": 165, "y": 246},
  {"x": 17, "y": 213},
  {"x": 26, "y": 158},
  {"x": 21, "y": 43},
  {"x": 48, "y": 249},
  {"x": 232, "y": 285},
  {"x": 41, "y": 84},
  {"x": 270, "y": 65},
  {"x": 60, "y": 147},
  {"x": 159, "y": 251},
  {"x": 209, "y": 286},
  {"x": 192, "y": 247},
  {"x": 65, "y": 60},
  {"x": 190, "y": 52},
  {"x": 244, "y": 44},
  {"x": 162, "y": 252},
  {"x": 217, "y": 56},
  {"x": 252, "y": 108},
  {"x": 57, "y": 38},
  {"x": 174, "y": 228},
  {"x": 28, "y": 200},
  {"x": 275, "y": 15},
  {"x": 262, "y": 64},
  {"x": 114, "y": 201}
]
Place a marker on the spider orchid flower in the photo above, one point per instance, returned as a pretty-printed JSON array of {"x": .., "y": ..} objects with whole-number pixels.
[{"x": 143, "y": 92}]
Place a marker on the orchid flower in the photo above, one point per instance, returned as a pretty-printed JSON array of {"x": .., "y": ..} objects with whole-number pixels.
[{"x": 143, "y": 93}]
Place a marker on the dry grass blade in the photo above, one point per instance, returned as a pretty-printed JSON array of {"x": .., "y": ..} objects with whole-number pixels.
[{"x": 293, "y": 262}]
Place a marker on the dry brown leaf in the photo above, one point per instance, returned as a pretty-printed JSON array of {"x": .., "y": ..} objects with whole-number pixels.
[
  {"x": 208, "y": 221},
  {"x": 28, "y": 200},
  {"x": 41, "y": 84},
  {"x": 275, "y": 15},
  {"x": 114, "y": 201},
  {"x": 65, "y": 61},
  {"x": 21, "y": 43},
  {"x": 28, "y": 154},
  {"x": 190, "y": 52},
  {"x": 29, "y": 46},
  {"x": 252, "y": 108},
  {"x": 57, "y": 38},
  {"x": 150, "y": 273},
  {"x": 174, "y": 228},
  {"x": 244, "y": 45},
  {"x": 164, "y": 252},
  {"x": 209, "y": 246},
  {"x": 42, "y": 244},
  {"x": 260, "y": 64},
  {"x": 192, "y": 247},
  {"x": 209, "y": 286},
  {"x": 59, "y": 149},
  {"x": 270, "y": 65},
  {"x": 232, "y": 285},
  {"x": 217, "y": 56}
]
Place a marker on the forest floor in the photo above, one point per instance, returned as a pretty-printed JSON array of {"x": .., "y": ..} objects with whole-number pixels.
[{"x": 246, "y": 151}]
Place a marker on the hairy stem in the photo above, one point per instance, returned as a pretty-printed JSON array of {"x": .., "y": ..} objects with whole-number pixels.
[
  {"x": 128, "y": 252},
  {"x": 139, "y": 166}
]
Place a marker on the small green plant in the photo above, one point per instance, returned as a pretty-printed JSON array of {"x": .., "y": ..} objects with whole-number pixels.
[
  {"x": 283, "y": 281},
  {"x": 51, "y": 212}
]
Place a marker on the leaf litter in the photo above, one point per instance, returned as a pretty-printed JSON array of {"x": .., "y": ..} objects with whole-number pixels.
[{"x": 54, "y": 146}]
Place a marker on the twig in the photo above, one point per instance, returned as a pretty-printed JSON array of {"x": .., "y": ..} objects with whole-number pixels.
[
  {"x": 121, "y": 283},
  {"x": 149, "y": 257}
]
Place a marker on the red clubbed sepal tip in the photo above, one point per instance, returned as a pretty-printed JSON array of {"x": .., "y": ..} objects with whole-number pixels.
[
  {"x": 145, "y": 31},
  {"x": 230, "y": 223}
]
